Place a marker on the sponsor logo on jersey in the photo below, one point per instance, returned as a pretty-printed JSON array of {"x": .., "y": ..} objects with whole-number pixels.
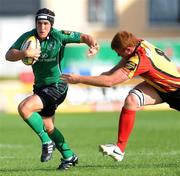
[
  {"x": 130, "y": 65},
  {"x": 67, "y": 32}
]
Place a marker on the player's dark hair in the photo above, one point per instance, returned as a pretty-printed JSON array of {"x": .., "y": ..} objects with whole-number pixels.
[
  {"x": 45, "y": 14},
  {"x": 124, "y": 39}
]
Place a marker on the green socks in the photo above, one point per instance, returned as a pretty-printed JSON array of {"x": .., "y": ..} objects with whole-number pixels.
[
  {"x": 58, "y": 138},
  {"x": 36, "y": 123}
]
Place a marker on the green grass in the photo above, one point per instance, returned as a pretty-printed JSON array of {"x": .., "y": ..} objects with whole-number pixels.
[{"x": 153, "y": 148}]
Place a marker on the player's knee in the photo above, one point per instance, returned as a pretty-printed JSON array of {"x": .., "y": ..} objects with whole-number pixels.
[
  {"x": 20, "y": 109},
  {"x": 131, "y": 101},
  {"x": 135, "y": 99},
  {"x": 23, "y": 109}
]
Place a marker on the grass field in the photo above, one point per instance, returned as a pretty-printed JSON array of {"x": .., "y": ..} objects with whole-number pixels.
[{"x": 153, "y": 148}]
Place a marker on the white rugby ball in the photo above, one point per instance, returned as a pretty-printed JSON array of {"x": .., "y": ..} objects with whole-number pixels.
[{"x": 32, "y": 42}]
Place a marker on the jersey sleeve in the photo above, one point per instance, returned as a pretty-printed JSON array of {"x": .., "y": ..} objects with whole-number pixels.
[
  {"x": 136, "y": 66},
  {"x": 71, "y": 37},
  {"x": 18, "y": 43}
]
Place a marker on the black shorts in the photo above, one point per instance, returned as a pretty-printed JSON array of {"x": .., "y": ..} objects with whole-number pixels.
[
  {"x": 51, "y": 96},
  {"x": 172, "y": 98}
]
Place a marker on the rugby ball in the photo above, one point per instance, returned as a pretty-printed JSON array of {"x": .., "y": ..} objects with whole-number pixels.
[{"x": 32, "y": 42}]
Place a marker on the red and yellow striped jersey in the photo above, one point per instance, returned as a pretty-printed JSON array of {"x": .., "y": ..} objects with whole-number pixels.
[{"x": 154, "y": 67}]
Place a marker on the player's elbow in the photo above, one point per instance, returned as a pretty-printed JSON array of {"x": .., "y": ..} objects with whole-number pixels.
[
  {"x": 105, "y": 81},
  {"x": 109, "y": 83},
  {"x": 8, "y": 56},
  {"x": 12, "y": 55}
]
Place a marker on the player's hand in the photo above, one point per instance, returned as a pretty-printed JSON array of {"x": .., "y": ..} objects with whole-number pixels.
[
  {"x": 33, "y": 53},
  {"x": 71, "y": 78},
  {"x": 93, "y": 50}
]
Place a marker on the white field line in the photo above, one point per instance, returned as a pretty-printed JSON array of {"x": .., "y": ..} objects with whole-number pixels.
[
  {"x": 13, "y": 146},
  {"x": 8, "y": 157},
  {"x": 170, "y": 153}
]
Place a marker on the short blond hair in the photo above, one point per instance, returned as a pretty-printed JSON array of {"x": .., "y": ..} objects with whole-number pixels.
[{"x": 124, "y": 39}]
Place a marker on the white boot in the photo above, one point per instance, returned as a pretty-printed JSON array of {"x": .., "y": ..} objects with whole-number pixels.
[{"x": 113, "y": 151}]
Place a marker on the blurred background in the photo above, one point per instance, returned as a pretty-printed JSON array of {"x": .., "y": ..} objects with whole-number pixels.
[{"x": 155, "y": 20}]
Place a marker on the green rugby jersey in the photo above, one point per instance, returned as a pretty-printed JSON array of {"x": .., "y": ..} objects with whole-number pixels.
[{"x": 47, "y": 69}]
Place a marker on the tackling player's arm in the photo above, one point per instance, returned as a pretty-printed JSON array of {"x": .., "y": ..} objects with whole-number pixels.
[
  {"x": 121, "y": 64},
  {"x": 117, "y": 77}
]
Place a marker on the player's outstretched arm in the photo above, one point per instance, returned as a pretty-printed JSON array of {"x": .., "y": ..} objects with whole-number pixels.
[
  {"x": 99, "y": 81},
  {"x": 117, "y": 77}
]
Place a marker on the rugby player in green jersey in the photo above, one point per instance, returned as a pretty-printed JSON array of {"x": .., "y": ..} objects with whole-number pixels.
[{"x": 49, "y": 91}]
